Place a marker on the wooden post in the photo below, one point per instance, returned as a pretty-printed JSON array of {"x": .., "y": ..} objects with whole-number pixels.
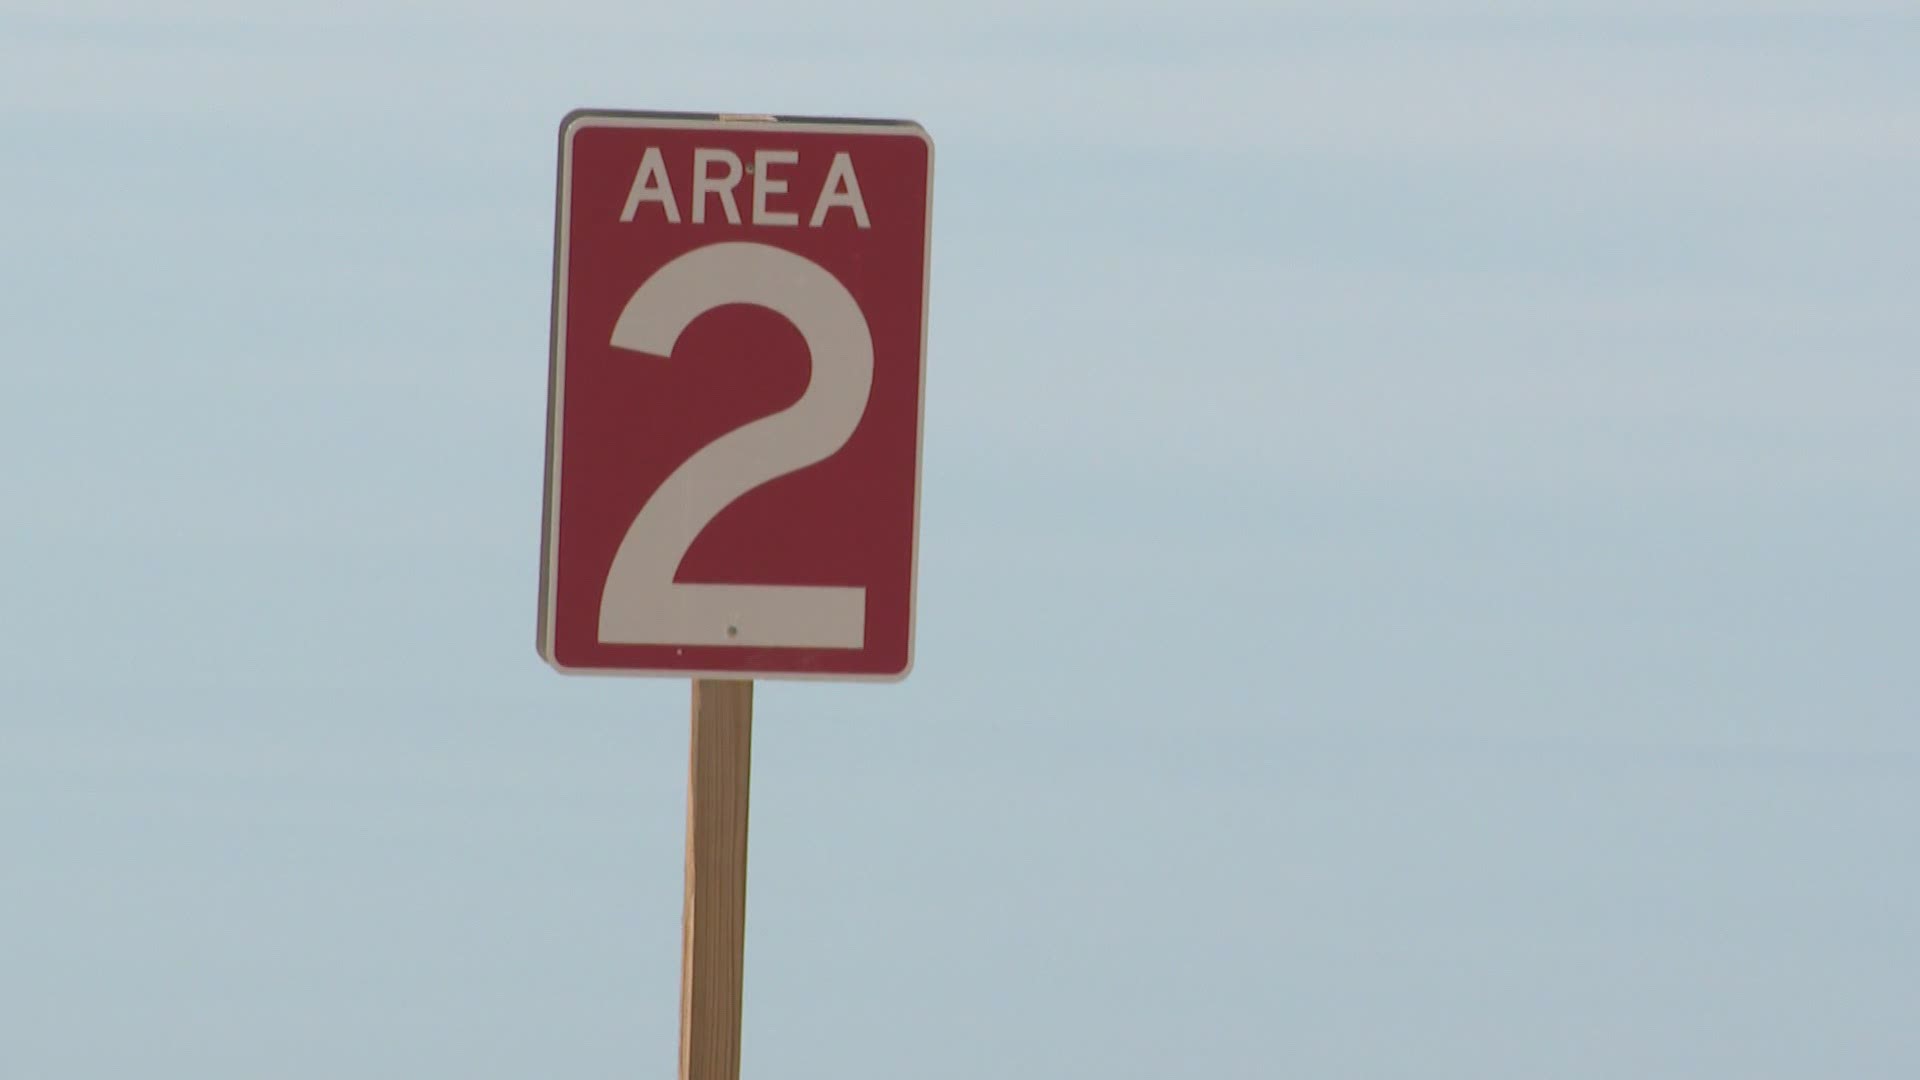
[{"x": 713, "y": 933}]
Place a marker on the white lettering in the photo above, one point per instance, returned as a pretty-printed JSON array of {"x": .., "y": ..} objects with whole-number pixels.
[
  {"x": 653, "y": 184},
  {"x": 842, "y": 189},
  {"x": 723, "y": 186},
  {"x": 764, "y": 185},
  {"x": 650, "y": 185}
]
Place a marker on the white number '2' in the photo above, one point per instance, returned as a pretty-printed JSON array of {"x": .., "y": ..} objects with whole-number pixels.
[{"x": 642, "y": 604}]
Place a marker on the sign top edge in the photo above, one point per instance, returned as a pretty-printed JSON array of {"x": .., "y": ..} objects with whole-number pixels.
[{"x": 601, "y": 117}]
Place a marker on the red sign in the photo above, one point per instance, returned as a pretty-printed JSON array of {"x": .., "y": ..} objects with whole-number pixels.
[{"x": 733, "y": 447}]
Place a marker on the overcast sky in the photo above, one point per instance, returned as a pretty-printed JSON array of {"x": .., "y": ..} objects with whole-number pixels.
[{"x": 1417, "y": 562}]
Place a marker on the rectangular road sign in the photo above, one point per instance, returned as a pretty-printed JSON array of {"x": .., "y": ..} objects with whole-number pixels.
[{"x": 736, "y": 390}]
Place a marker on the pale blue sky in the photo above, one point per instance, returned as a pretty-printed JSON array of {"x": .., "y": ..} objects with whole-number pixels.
[{"x": 1418, "y": 567}]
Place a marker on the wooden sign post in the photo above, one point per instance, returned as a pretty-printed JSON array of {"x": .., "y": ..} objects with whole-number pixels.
[{"x": 713, "y": 930}]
